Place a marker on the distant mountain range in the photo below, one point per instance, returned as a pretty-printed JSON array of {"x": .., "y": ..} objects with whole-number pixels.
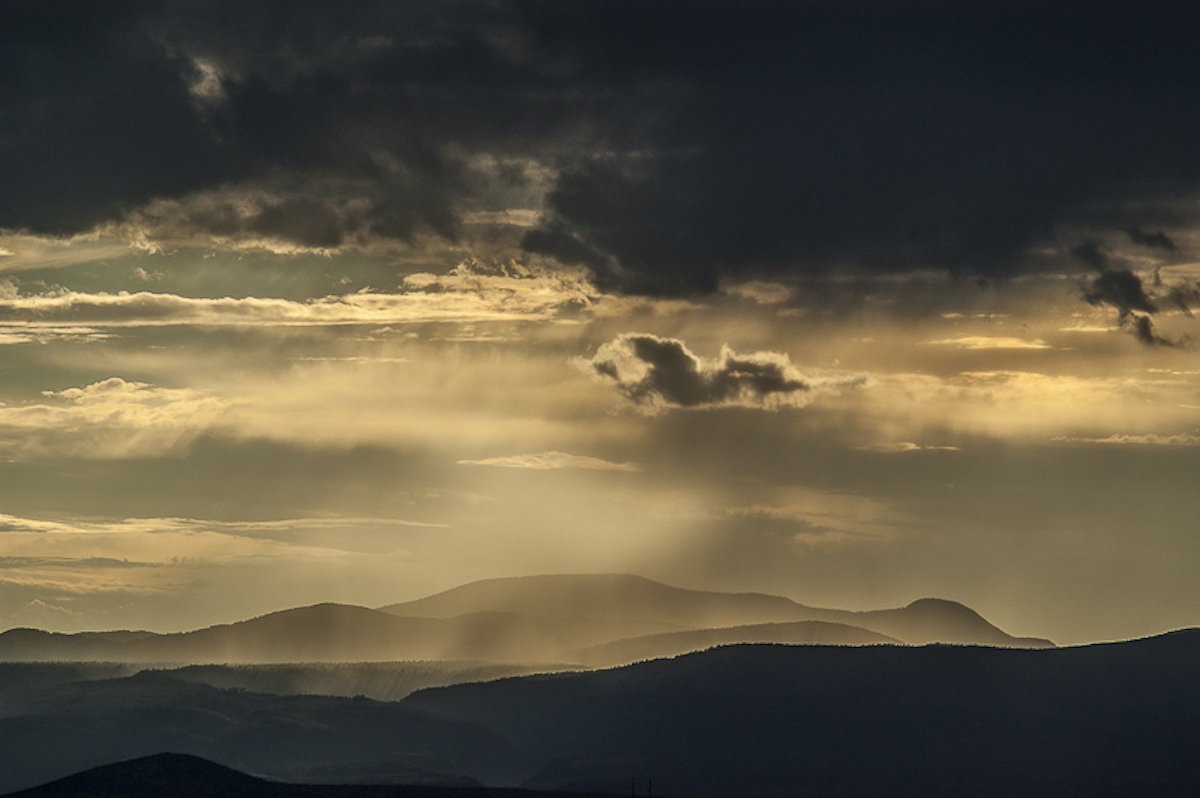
[
  {"x": 757, "y": 721},
  {"x": 584, "y": 620}
]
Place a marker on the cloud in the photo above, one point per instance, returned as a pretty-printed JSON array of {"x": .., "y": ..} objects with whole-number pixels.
[
  {"x": 662, "y": 372},
  {"x": 1123, "y": 290},
  {"x": 109, "y": 419},
  {"x": 666, "y": 151},
  {"x": 1143, "y": 328},
  {"x": 991, "y": 342},
  {"x": 545, "y": 461},
  {"x": 1120, "y": 289},
  {"x": 1148, "y": 439},
  {"x": 471, "y": 292},
  {"x": 1155, "y": 240},
  {"x": 900, "y": 447}
]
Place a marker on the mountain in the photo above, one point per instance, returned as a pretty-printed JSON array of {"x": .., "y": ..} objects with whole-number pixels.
[
  {"x": 766, "y": 720},
  {"x": 539, "y": 619},
  {"x": 333, "y": 633},
  {"x": 50, "y": 732},
  {"x": 936, "y": 621},
  {"x": 158, "y": 776},
  {"x": 670, "y": 644},
  {"x": 758, "y": 721},
  {"x": 382, "y": 681},
  {"x": 627, "y": 597},
  {"x": 183, "y": 776},
  {"x": 616, "y": 597}
]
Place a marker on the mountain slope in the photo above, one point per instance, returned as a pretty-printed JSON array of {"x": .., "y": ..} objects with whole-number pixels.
[
  {"x": 334, "y": 633},
  {"x": 183, "y": 776},
  {"x": 627, "y": 597},
  {"x": 760, "y": 721},
  {"x": 1112, "y": 720},
  {"x": 603, "y": 596},
  {"x": 670, "y": 644},
  {"x": 540, "y": 619}
]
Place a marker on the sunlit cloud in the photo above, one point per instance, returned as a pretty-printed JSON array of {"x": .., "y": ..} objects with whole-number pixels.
[
  {"x": 78, "y": 558},
  {"x": 1008, "y": 403},
  {"x": 1150, "y": 439},
  {"x": 109, "y": 419},
  {"x": 991, "y": 342},
  {"x": 544, "y": 461},
  {"x": 470, "y": 293},
  {"x": 900, "y": 447}
]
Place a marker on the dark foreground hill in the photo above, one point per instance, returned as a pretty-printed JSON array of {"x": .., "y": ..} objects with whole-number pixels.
[
  {"x": 758, "y": 721},
  {"x": 183, "y": 776},
  {"x": 1106, "y": 720}
]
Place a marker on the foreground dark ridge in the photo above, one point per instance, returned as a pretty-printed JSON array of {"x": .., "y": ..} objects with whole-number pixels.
[
  {"x": 755, "y": 721},
  {"x": 183, "y": 776}
]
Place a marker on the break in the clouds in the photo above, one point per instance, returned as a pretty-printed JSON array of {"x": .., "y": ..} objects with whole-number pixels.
[
  {"x": 470, "y": 292},
  {"x": 656, "y": 372},
  {"x": 546, "y": 461},
  {"x": 661, "y": 146}
]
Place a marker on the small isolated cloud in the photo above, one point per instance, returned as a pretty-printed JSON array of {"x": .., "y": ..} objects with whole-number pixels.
[
  {"x": 659, "y": 372},
  {"x": 991, "y": 342},
  {"x": 896, "y": 447},
  {"x": 1149, "y": 439},
  {"x": 547, "y": 461}
]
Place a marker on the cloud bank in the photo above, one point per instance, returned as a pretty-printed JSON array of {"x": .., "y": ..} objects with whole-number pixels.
[{"x": 665, "y": 145}]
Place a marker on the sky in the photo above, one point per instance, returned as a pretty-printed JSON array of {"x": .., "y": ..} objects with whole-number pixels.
[{"x": 855, "y": 303}]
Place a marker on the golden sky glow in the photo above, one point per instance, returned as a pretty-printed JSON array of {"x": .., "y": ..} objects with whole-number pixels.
[
  {"x": 374, "y": 303},
  {"x": 172, "y": 461}
]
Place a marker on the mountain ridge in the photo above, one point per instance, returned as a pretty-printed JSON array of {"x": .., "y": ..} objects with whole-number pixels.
[{"x": 536, "y": 619}]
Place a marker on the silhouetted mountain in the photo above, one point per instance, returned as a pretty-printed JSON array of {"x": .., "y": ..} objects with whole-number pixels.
[
  {"x": 626, "y": 597},
  {"x": 183, "y": 776},
  {"x": 669, "y": 644},
  {"x": 1107, "y": 720},
  {"x": 748, "y": 720},
  {"x": 937, "y": 621},
  {"x": 157, "y": 776},
  {"x": 333, "y": 633},
  {"x": 616, "y": 597},
  {"x": 48, "y": 733},
  {"x": 541, "y": 619},
  {"x": 382, "y": 681}
]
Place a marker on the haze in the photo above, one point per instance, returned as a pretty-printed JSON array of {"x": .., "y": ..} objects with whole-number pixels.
[{"x": 306, "y": 304}]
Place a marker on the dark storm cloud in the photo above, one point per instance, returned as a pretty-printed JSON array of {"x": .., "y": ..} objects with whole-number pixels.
[
  {"x": 1122, "y": 290},
  {"x": 888, "y": 135},
  {"x": 650, "y": 370},
  {"x": 685, "y": 141},
  {"x": 1155, "y": 239},
  {"x": 1143, "y": 328}
]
